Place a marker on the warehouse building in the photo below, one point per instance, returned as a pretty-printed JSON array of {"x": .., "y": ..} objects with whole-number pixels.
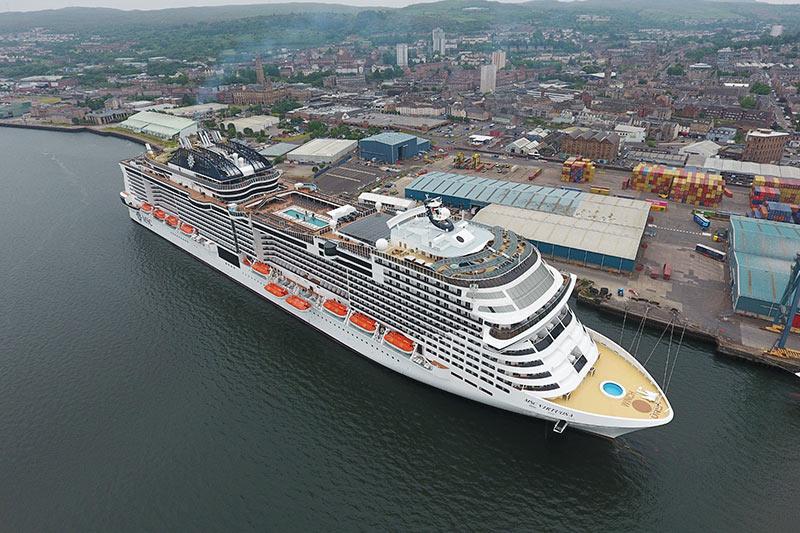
[
  {"x": 392, "y": 147},
  {"x": 585, "y": 229},
  {"x": 761, "y": 256},
  {"x": 160, "y": 125},
  {"x": 322, "y": 151},
  {"x": 256, "y": 123},
  {"x": 739, "y": 172}
]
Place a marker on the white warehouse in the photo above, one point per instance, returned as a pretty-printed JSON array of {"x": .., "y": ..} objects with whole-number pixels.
[{"x": 322, "y": 151}]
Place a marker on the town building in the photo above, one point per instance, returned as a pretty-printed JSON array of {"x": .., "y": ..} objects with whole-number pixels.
[
  {"x": 401, "y": 50},
  {"x": 392, "y": 147},
  {"x": 592, "y": 144},
  {"x": 438, "y": 41},
  {"x": 499, "y": 59},
  {"x": 764, "y": 146},
  {"x": 631, "y": 134},
  {"x": 488, "y": 78}
]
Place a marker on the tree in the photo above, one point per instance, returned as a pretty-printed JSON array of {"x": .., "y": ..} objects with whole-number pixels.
[
  {"x": 278, "y": 160},
  {"x": 591, "y": 69},
  {"x": 748, "y": 102},
  {"x": 675, "y": 70},
  {"x": 231, "y": 130},
  {"x": 248, "y": 132},
  {"x": 760, "y": 88},
  {"x": 188, "y": 99}
]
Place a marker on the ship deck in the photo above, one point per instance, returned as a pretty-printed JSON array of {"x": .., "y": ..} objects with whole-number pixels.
[{"x": 589, "y": 396}]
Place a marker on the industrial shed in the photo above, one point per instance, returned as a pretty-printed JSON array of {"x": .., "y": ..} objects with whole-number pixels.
[
  {"x": 587, "y": 229},
  {"x": 160, "y": 125},
  {"x": 322, "y": 151},
  {"x": 761, "y": 256},
  {"x": 392, "y": 147}
]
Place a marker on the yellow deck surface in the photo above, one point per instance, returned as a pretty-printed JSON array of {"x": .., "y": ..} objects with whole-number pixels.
[{"x": 590, "y": 398}]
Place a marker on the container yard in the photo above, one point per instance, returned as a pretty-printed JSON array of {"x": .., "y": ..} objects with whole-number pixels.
[{"x": 696, "y": 188}]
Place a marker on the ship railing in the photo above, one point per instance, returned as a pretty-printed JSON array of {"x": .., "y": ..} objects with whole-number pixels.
[{"x": 509, "y": 332}]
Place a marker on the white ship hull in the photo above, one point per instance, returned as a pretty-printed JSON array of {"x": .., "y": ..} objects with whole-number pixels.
[{"x": 373, "y": 348}]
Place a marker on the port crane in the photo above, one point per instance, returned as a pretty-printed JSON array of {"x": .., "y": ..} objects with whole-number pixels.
[{"x": 787, "y": 309}]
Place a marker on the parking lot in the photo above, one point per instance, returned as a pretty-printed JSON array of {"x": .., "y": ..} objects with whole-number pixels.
[{"x": 349, "y": 178}]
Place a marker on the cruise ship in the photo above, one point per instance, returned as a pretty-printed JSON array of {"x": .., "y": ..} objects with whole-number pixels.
[{"x": 463, "y": 307}]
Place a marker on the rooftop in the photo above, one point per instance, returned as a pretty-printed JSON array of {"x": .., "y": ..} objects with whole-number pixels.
[
  {"x": 158, "y": 123},
  {"x": 391, "y": 137},
  {"x": 323, "y": 148},
  {"x": 764, "y": 251}
]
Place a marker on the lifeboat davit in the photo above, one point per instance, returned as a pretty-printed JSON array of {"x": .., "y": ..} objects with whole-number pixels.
[
  {"x": 246, "y": 261},
  {"x": 277, "y": 290},
  {"x": 335, "y": 308},
  {"x": 187, "y": 229},
  {"x": 159, "y": 214},
  {"x": 299, "y": 303},
  {"x": 363, "y": 322},
  {"x": 260, "y": 268},
  {"x": 146, "y": 208},
  {"x": 399, "y": 342},
  {"x": 172, "y": 221}
]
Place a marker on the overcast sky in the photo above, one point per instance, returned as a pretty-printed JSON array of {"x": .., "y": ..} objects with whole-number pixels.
[{"x": 35, "y": 5}]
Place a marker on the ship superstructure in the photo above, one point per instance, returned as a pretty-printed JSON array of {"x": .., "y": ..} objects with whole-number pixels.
[{"x": 467, "y": 308}]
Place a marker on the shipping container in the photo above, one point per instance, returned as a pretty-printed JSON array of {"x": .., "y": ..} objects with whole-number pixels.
[{"x": 667, "y": 270}]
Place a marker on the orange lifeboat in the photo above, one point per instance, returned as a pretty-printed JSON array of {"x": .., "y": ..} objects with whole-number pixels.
[
  {"x": 277, "y": 290},
  {"x": 187, "y": 229},
  {"x": 299, "y": 303},
  {"x": 246, "y": 261},
  {"x": 172, "y": 221},
  {"x": 363, "y": 322},
  {"x": 146, "y": 208},
  {"x": 335, "y": 307},
  {"x": 399, "y": 341},
  {"x": 159, "y": 214},
  {"x": 261, "y": 268}
]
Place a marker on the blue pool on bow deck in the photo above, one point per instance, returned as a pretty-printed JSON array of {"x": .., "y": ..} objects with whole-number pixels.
[{"x": 612, "y": 389}]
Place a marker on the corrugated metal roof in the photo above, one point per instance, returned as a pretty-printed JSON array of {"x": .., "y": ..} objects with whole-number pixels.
[
  {"x": 612, "y": 239},
  {"x": 489, "y": 191},
  {"x": 596, "y": 223},
  {"x": 763, "y": 251},
  {"x": 390, "y": 137}
]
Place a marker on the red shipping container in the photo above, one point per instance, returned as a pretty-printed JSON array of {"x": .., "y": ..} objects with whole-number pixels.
[{"x": 667, "y": 271}]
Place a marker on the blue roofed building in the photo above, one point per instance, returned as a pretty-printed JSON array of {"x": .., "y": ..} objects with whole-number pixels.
[
  {"x": 580, "y": 228},
  {"x": 391, "y": 147},
  {"x": 761, "y": 256}
]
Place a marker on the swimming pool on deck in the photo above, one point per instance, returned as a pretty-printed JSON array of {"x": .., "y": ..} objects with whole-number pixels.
[{"x": 308, "y": 218}]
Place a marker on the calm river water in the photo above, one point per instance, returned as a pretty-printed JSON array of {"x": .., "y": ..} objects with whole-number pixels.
[{"x": 140, "y": 390}]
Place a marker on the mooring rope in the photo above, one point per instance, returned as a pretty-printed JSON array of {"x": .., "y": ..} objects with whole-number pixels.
[{"x": 675, "y": 360}]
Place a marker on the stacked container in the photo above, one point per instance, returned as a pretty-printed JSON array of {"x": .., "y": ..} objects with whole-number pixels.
[
  {"x": 653, "y": 178},
  {"x": 760, "y": 194},
  {"x": 779, "y": 212},
  {"x": 789, "y": 188},
  {"x": 697, "y": 188},
  {"x": 578, "y": 170}
]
